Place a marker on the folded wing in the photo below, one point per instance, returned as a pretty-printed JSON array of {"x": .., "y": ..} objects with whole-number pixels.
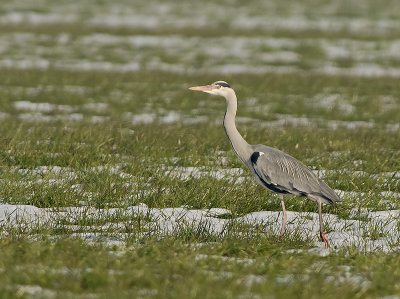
[{"x": 284, "y": 174}]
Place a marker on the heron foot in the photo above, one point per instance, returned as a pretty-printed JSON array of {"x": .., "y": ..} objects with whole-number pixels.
[{"x": 324, "y": 239}]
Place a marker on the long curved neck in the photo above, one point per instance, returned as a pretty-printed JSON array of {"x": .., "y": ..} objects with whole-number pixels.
[{"x": 239, "y": 145}]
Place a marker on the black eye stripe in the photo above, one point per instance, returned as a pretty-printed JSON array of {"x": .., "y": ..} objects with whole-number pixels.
[{"x": 224, "y": 84}]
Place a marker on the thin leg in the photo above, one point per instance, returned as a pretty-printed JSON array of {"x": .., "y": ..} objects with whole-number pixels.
[
  {"x": 322, "y": 235},
  {"x": 284, "y": 217}
]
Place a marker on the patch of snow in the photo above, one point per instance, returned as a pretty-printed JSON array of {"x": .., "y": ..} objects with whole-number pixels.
[
  {"x": 280, "y": 56},
  {"x": 360, "y": 70},
  {"x": 141, "y": 21},
  {"x": 41, "y": 107},
  {"x": 36, "y": 18},
  {"x": 34, "y": 290},
  {"x": 290, "y": 120},
  {"x": 345, "y": 276},
  {"x": 215, "y": 212},
  {"x": 64, "y": 172},
  {"x": 226, "y": 55},
  {"x": 84, "y": 65},
  {"x": 330, "y": 101},
  {"x": 323, "y": 173},
  {"x": 251, "y": 279},
  {"x": 39, "y": 117},
  {"x": 97, "y": 107},
  {"x": 301, "y": 23},
  {"x": 168, "y": 118},
  {"x": 354, "y": 233},
  {"x": 25, "y": 64},
  {"x": 171, "y": 117},
  {"x": 96, "y": 119},
  {"x": 187, "y": 120},
  {"x": 145, "y": 118},
  {"x": 185, "y": 173}
]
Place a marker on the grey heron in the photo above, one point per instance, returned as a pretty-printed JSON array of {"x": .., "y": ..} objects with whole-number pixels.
[{"x": 272, "y": 168}]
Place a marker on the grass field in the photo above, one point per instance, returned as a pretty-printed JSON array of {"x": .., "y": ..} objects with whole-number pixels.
[{"x": 116, "y": 181}]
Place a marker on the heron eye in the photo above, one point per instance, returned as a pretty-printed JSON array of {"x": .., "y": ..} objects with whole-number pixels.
[{"x": 218, "y": 86}]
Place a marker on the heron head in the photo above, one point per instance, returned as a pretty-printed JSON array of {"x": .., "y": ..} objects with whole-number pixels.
[{"x": 220, "y": 88}]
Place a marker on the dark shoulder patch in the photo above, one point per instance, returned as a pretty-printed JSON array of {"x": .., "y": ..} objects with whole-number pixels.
[
  {"x": 264, "y": 178},
  {"x": 254, "y": 157}
]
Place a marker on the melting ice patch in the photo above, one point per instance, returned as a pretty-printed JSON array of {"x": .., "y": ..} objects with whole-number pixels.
[
  {"x": 38, "y": 112},
  {"x": 168, "y": 118},
  {"x": 222, "y": 55},
  {"x": 378, "y": 231},
  {"x": 290, "y": 120},
  {"x": 41, "y": 107}
]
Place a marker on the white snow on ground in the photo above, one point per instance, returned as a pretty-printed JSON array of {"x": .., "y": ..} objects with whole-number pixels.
[
  {"x": 35, "y": 291},
  {"x": 36, "y": 18},
  {"x": 184, "y": 173},
  {"x": 344, "y": 275},
  {"x": 19, "y": 91},
  {"x": 41, "y": 107},
  {"x": 39, "y": 117},
  {"x": 354, "y": 194},
  {"x": 170, "y": 17},
  {"x": 282, "y": 120},
  {"x": 48, "y": 107},
  {"x": 222, "y": 55},
  {"x": 358, "y": 70},
  {"x": 301, "y": 23},
  {"x": 38, "y": 112},
  {"x": 287, "y": 119},
  {"x": 74, "y": 117},
  {"x": 388, "y": 175},
  {"x": 377, "y": 231}
]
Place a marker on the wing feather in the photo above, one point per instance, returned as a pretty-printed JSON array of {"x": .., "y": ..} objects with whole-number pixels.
[{"x": 279, "y": 171}]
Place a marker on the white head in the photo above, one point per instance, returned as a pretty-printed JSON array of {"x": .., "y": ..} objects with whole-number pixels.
[{"x": 220, "y": 88}]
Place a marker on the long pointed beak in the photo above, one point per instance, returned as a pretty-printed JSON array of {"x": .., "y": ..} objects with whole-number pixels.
[{"x": 202, "y": 88}]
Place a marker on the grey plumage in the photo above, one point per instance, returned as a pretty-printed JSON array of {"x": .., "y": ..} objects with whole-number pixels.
[
  {"x": 272, "y": 168},
  {"x": 282, "y": 173}
]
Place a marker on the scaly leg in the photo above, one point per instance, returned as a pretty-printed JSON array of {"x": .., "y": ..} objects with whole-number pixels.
[
  {"x": 322, "y": 235},
  {"x": 284, "y": 217}
]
